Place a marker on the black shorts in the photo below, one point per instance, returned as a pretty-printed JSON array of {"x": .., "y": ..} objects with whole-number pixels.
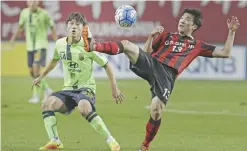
[
  {"x": 160, "y": 77},
  {"x": 36, "y": 56},
  {"x": 71, "y": 98}
]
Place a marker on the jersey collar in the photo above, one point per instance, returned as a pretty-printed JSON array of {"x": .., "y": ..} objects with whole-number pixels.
[
  {"x": 38, "y": 10},
  {"x": 78, "y": 43},
  {"x": 186, "y": 36}
]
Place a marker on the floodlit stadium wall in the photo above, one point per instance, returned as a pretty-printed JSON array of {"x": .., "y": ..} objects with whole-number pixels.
[{"x": 14, "y": 63}]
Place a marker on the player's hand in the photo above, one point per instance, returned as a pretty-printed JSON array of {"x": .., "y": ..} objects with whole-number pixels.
[
  {"x": 36, "y": 82},
  {"x": 233, "y": 24},
  {"x": 117, "y": 95},
  {"x": 157, "y": 31},
  {"x": 8, "y": 46}
]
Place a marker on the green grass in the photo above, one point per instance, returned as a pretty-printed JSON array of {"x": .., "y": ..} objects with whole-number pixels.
[{"x": 200, "y": 128}]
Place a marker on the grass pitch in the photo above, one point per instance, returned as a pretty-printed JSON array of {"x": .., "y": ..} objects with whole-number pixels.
[{"x": 200, "y": 116}]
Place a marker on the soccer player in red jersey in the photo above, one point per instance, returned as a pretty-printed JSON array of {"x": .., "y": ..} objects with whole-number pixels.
[{"x": 165, "y": 57}]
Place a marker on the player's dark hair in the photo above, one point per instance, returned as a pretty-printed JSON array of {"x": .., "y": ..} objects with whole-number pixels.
[
  {"x": 197, "y": 16},
  {"x": 78, "y": 17}
]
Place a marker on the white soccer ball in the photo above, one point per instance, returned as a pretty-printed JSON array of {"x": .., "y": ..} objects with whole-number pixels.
[{"x": 125, "y": 16}]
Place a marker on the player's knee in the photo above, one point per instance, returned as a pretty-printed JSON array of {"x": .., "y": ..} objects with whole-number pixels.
[
  {"x": 35, "y": 74},
  {"x": 156, "y": 113},
  {"x": 127, "y": 45},
  {"x": 49, "y": 104},
  {"x": 31, "y": 72},
  {"x": 84, "y": 107},
  {"x": 125, "y": 42},
  {"x": 36, "y": 70},
  {"x": 156, "y": 109}
]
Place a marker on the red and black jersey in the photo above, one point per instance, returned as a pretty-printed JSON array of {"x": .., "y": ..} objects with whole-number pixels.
[{"x": 179, "y": 51}]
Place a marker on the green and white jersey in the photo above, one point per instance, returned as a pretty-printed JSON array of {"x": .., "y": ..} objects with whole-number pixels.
[
  {"x": 36, "y": 28},
  {"x": 77, "y": 64}
]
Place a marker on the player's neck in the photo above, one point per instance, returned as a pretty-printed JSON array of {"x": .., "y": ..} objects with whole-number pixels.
[
  {"x": 34, "y": 11},
  {"x": 73, "y": 40},
  {"x": 185, "y": 34}
]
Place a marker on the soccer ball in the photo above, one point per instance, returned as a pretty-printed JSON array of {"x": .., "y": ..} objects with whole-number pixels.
[{"x": 125, "y": 16}]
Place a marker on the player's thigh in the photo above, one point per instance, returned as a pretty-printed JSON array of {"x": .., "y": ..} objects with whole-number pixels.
[
  {"x": 54, "y": 103},
  {"x": 162, "y": 89},
  {"x": 131, "y": 50},
  {"x": 143, "y": 66},
  {"x": 86, "y": 101},
  {"x": 163, "y": 81},
  {"x": 72, "y": 98}
]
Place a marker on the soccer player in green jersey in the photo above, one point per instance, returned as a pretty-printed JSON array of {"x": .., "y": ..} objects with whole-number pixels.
[
  {"x": 35, "y": 21},
  {"x": 79, "y": 84}
]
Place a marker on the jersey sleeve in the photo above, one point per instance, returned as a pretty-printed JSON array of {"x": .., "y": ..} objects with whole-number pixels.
[
  {"x": 56, "y": 55},
  {"x": 22, "y": 18},
  {"x": 206, "y": 50},
  {"x": 99, "y": 58},
  {"x": 158, "y": 40}
]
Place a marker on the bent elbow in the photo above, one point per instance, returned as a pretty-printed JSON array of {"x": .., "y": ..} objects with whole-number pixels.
[
  {"x": 223, "y": 55},
  {"x": 226, "y": 55}
]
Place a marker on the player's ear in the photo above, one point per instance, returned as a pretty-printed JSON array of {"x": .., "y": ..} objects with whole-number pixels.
[{"x": 194, "y": 27}]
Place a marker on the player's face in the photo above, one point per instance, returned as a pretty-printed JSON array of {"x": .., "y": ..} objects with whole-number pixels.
[
  {"x": 33, "y": 5},
  {"x": 75, "y": 28},
  {"x": 186, "y": 24}
]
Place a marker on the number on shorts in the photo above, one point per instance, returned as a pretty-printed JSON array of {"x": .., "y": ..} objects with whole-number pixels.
[{"x": 166, "y": 93}]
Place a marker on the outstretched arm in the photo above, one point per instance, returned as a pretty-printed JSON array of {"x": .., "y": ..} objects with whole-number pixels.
[
  {"x": 233, "y": 25},
  {"x": 48, "y": 68},
  {"x": 50, "y": 23},
  {"x": 16, "y": 33},
  {"x": 20, "y": 27},
  {"x": 53, "y": 33},
  {"x": 117, "y": 95}
]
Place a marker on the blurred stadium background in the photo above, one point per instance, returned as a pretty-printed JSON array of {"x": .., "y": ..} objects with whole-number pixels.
[{"x": 207, "y": 110}]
